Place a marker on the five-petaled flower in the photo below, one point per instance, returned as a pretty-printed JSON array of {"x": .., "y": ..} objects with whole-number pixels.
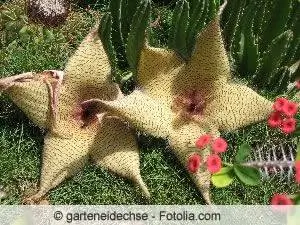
[
  {"x": 180, "y": 100},
  {"x": 177, "y": 100}
]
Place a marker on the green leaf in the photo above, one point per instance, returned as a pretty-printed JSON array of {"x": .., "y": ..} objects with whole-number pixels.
[
  {"x": 197, "y": 9},
  {"x": 178, "y": 33},
  {"x": 248, "y": 175},
  {"x": 249, "y": 60},
  {"x": 136, "y": 37},
  {"x": 223, "y": 178},
  {"x": 279, "y": 80},
  {"x": 128, "y": 7},
  {"x": 272, "y": 58},
  {"x": 233, "y": 12},
  {"x": 278, "y": 20},
  {"x": 243, "y": 152},
  {"x": 115, "y": 10},
  {"x": 104, "y": 32}
]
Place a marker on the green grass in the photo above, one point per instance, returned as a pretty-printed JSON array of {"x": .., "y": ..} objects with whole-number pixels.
[{"x": 21, "y": 144}]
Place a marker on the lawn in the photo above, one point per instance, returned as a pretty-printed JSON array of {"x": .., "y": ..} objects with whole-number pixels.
[{"x": 21, "y": 142}]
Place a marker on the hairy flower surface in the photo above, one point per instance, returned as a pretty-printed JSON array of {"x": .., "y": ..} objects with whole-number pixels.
[
  {"x": 182, "y": 100},
  {"x": 51, "y": 99}
]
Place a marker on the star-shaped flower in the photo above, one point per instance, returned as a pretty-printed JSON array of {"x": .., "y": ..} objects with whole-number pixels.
[
  {"x": 183, "y": 100},
  {"x": 51, "y": 99}
]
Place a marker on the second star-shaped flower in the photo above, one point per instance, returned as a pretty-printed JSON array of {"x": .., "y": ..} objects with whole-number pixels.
[{"x": 182, "y": 100}]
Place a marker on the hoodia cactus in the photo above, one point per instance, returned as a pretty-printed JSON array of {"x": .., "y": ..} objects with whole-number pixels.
[
  {"x": 51, "y": 99},
  {"x": 181, "y": 100}
]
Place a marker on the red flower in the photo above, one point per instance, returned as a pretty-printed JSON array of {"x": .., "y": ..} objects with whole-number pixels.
[
  {"x": 203, "y": 141},
  {"x": 275, "y": 119},
  {"x": 297, "y": 166},
  {"x": 279, "y": 104},
  {"x": 214, "y": 163},
  {"x": 194, "y": 163},
  {"x": 288, "y": 125},
  {"x": 281, "y": 199},
  {"x": 297, "y": 84},
  {"x": 290, "y": 109},
  {"x": 297, "y": 175},
  {"x": 219, "y": 145}
]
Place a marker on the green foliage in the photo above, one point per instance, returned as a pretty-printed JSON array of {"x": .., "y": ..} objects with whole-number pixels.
[
  {"x": 122, "y": 31},
  {"x": 16, "y": 28},
  {"x": 21, "y": 142},
  {"x": 263, "y": 37},
  {"x": 223, "y": 178},
  {"x": 243, "y": 152},
  {"x": 189, "y": 17},
  {"x": 248, "y": 175}
]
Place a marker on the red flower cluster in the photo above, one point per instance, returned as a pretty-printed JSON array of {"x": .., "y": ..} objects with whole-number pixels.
[
  {"x": 283, "y": 115},
  {"x": 297, "y": 175},
  {"x": 214, "y": 162}
]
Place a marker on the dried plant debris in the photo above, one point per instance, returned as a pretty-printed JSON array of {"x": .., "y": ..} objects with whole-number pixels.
[{"x": 50, "y": 13}]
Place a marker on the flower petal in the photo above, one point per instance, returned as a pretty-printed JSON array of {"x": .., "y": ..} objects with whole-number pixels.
[
  {"x": 88, "y": 72},
  {"x": 116, "y": 149},
  {"x": 235, "y": 106},
  {"x": 209, "y": 64},
  {"x": 142, "y": 111},
  {"x": 182, "y": 140},
  {"x": 32, "y": 97},
  {"x": 156, "y": 71},
  {"x": 63, "y": 156}
]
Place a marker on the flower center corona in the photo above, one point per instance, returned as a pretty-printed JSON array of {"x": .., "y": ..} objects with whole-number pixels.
[
  {"x": 188, "y": 104},
  {"x": 86, "y": 115}
]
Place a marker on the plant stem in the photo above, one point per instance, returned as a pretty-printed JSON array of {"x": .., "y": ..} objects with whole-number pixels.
[{"x": 277, "y": 163}]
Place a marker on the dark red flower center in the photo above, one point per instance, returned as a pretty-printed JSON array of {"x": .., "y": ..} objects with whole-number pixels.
[
  {"x": 189, "y": 103},
  {"x": 86, "y": 114}
]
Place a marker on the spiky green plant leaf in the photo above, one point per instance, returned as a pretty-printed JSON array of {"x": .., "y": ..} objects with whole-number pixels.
[
  {"x": 276, "y": 24},
  {"x": 178, "y": 33},
  {"x": 272, "y": 58},
  {"x": 105, "y": 32},
  {"x": 136, "y": 35}
]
